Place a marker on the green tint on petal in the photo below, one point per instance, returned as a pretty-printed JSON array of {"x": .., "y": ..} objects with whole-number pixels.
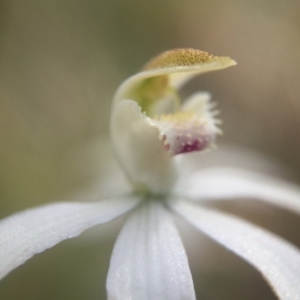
[
  {"x": 179, "y": 65},
  {"x": 151, "y": 91},
  {"x": 150, "y": 124}
]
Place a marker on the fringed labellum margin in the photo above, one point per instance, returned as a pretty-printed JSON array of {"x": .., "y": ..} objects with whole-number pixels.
[{"x": 150, "y": 124}]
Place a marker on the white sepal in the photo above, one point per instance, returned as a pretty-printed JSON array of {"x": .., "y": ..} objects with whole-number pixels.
[
  {"x": 276, "y": 259},
  {"x": 230, "y": 183},
  {"x": 148, "y": 260},
  {"x": 32, "y": 231}
]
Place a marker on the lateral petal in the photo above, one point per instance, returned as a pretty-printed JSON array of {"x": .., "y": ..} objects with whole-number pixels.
[
  {"x": 276, "y": 259},
  {"x": 231, "y": 183},
  {"x": 32, "y": 231}
]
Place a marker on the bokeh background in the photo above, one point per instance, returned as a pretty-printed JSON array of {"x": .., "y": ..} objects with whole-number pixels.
[{"x": 60, "y": 63}]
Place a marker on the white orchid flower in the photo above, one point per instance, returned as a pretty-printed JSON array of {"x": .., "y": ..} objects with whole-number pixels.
[{"x": 151, "y": 130}]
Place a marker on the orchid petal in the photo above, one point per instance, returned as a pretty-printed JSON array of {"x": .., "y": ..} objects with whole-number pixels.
[
  {"x": 147, "y": 125},
  {"x": 230, "y": 183},
  {"x": 149, "y": 261},
  {"x": 27, "y": 233},
  {"x": 276, "y": 259}
]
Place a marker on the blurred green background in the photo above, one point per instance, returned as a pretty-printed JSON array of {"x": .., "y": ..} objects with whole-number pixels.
[{"x": 60, "y": 63}]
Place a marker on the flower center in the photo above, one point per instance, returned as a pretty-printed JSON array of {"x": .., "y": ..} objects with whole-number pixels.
[{"x": 150, "y": 123}]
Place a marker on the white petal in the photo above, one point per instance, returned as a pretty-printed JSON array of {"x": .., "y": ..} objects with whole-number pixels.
[
  {"x": 140, "y": 147},
  {"x": 276, "y": 259},
  {"x": 27, "y": 233},
  {"x": 149, "y": 261},
  {"x": 140, "y": 151},
  {"x": 230, "y": 183}
]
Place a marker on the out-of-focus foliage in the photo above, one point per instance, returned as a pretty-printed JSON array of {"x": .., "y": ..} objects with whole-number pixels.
[{"x": 60, "y": 62}]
